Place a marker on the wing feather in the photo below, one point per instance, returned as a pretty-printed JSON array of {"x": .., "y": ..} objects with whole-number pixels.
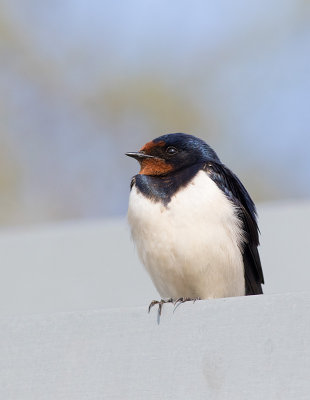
[{"x": 232, "y": 187}]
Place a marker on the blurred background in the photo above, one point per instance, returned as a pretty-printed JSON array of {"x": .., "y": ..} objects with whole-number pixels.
[{"x": 82, "y": 82}]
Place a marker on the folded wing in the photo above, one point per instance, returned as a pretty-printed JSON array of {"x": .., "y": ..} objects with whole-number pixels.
[{"x": 234, "y": 190}]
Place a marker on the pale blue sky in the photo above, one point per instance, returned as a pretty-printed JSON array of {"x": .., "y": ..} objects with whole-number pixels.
[{"x": 247, "y": 63}]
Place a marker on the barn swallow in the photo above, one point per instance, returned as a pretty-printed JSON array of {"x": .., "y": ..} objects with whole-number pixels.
[{"x": 193, "y": 222}]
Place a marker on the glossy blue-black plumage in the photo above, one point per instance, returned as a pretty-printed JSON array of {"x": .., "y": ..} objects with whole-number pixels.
[
  {"x": 163, "y": 187},
  {"x": 234, "y": 190},
  {"x": 192, "y": 149},
  {"x": 195, "y": 155},
  {"x": 192, "y": 154}
]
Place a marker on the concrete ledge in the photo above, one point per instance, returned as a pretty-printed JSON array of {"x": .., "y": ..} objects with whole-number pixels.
[{"x": 241, "y": 348}]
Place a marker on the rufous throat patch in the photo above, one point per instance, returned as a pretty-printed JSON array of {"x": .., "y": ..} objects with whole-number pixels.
[{"x": 154, "y": 166}]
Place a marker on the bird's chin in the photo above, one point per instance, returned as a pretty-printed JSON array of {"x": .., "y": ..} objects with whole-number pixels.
[{"x": 154, "y": 166}]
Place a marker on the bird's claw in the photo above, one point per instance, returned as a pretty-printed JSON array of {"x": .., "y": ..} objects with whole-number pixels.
[
  {"x": 176, "y": 303},
  {"x": 181, "y": 300},
  {"x": 160, "y": 304}
]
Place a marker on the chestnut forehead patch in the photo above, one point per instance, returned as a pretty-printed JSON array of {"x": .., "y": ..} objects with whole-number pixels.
[{"x": 149, "y": 146}]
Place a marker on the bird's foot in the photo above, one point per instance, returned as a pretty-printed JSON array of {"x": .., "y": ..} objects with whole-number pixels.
[
  {"x": 181, "y": 300},
  {"x": 160, "y": 304}
]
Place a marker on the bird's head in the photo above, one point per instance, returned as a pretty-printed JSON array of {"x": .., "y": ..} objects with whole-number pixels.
[{"x": 169, "y": 153}]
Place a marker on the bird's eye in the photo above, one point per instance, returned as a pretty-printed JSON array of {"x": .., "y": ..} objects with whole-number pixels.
[{"x": 171, "y": 150}]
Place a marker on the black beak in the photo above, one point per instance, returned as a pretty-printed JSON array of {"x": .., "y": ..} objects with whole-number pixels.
[{"x": 138, "y": 155}]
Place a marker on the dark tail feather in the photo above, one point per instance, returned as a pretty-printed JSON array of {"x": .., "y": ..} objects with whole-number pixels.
[{"x": 253, "y": 282}]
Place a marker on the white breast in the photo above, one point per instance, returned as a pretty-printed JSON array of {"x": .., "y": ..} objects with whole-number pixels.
[{"x": 191, "y": 248}]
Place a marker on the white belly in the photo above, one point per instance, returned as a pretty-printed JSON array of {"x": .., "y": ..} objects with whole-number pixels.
[{"x": 191, "y": 248}]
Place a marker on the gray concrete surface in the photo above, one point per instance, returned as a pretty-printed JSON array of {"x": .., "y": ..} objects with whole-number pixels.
[
  {"x": 85, "y": 265},
  {"x": 226, "y": 349}
]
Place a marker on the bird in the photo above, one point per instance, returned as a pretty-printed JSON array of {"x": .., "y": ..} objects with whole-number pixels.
[{"x": 193, "y": 222}]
